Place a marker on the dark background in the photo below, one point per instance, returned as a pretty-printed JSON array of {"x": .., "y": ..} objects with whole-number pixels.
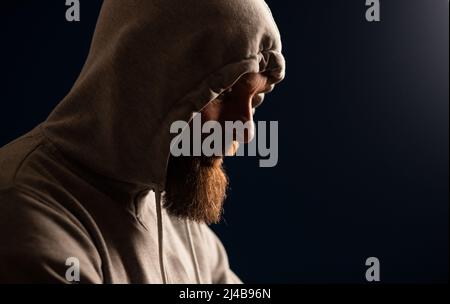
[{"x": 363, "y": 113}]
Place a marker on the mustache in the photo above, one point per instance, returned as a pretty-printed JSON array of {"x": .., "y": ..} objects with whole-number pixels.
[
  {"x": 217, "y": 161},
  {"x": 232, "y": 150}
]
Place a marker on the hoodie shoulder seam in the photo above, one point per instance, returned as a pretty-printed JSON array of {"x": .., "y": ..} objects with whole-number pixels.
[{"x": 22, "y": 162}]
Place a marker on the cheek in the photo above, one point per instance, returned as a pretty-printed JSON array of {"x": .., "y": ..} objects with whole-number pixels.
[
  {"x": 232, "y": 109},
  {"x": 220, "y": 112},
  {"x": 212, "y": 112}
]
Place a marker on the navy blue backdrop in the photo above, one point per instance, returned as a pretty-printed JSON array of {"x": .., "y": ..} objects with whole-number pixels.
[{"x": 363, "y": 113}]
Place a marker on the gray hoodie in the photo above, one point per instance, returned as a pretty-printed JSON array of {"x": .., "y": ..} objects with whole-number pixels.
[{"x": 87, "y": 183}]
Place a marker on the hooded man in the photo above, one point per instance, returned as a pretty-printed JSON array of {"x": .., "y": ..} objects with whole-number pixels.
[{"x": 95, "y": 186}]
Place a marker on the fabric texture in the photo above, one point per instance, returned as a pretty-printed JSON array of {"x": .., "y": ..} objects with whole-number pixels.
[{"x": 88, "y": 182}]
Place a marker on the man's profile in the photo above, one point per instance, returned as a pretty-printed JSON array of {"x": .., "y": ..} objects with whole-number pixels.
[{"x": 96, "y": 181}]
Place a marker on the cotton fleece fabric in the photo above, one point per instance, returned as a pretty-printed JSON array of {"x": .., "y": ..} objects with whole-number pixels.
[{"x": 88, "y": 182}]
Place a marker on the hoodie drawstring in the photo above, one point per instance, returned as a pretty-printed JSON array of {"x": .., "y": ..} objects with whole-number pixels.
[
  {"x": 193, "y": 254},
  {"x": 161, "y": 241},
  {"x": 160, "y": 235}
]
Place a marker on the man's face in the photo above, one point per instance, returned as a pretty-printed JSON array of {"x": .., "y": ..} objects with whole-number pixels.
[{"x": 196, "y": 186}]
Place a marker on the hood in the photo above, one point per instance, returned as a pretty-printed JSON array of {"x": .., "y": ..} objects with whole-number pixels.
[{"x": 153, "y": 62}]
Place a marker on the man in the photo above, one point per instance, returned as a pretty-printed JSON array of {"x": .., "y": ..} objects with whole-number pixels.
[{"x": 94, "y": 189}]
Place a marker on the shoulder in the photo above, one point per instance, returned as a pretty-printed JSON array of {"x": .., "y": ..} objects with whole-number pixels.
[
  {"x": 15, "y": 154},
  {"x": 38, "y": 239}
]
